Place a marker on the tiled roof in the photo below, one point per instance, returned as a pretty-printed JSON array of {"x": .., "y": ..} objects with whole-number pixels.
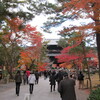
[{"x": 52, "y": 41}]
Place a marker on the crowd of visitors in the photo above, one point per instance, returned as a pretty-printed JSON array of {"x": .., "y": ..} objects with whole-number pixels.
[
  {"x": 29, "y": 77},
  {"x": 66, "y": 83},
  {"x": 60, "y": 80}
]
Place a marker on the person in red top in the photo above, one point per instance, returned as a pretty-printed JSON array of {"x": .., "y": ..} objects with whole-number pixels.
[{"x": 27, "y": 73}]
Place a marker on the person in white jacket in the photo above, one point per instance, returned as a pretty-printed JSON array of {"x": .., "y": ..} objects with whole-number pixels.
[{"x": 31, "y": 81}]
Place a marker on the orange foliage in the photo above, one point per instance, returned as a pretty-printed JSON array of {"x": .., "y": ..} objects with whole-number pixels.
[
  {"x": 66, "y": 65},
  {"x": 66, "y": 58},
  {"x": 89, "y": 7},
  {"x": 32, "y": 53},
  {"x": 42, "y": 66}
]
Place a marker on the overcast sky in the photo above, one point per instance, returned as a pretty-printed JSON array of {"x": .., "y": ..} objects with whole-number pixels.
[{"x": 39, "y": 20}]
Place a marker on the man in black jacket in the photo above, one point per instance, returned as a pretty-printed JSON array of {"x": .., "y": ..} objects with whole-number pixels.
[{"x": 66, "y": 88}]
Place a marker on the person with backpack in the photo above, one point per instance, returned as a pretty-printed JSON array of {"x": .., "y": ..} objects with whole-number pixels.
[{"x": 81, "y": 80}]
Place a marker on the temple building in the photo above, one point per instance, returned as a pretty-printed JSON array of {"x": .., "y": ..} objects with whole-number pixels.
[{"x": 53, "y": 50}]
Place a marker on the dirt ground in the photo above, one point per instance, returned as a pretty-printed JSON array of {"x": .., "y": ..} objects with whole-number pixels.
[{"x": 95, "y": 81}]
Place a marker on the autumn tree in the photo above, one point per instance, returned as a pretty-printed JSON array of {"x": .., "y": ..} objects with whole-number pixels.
[
  {"x": 91, "y": 9},
  {"x": 13, "y": 39},
  {"x": 75, "y": 35},
  {"x": 34, "y": 54},
  {"x": 11, "y": 28},
  {"x": 9, "y": 40},
  {"x": 79, "y": 9},
  {"x": 77, "y": 54}
]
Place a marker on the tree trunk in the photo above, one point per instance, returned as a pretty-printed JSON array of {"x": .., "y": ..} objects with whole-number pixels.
[
  {"x": 98, "y": 49},
  {"x": 96, "y": 19},
  {"x": 9, "y": 70}
]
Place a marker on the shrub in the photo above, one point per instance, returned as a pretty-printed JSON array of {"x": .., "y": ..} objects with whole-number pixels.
[{"x": 94, "y": 95}]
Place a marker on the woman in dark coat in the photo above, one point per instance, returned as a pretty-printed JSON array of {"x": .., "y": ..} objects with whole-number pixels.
[
  {"x": 66, "y": 88},
  {"x": 18, "y": 81},
  {"x": 52, "y": 81}
]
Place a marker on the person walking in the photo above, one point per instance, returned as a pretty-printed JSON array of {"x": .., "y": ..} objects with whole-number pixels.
[
  {"x": 36, "y": 77},
  {"x": 52, "y": 80},
  {"x": 81, "y": 80},
  {"x": 66, "y": 88},
  {"x": 45, "y": 74},
  {"x": 24, "y": 77},
  {"x": 27, "y": 73},
  {"x": 18, "y": 81},
  {"x": 59, "y": 76},
  {"x": 31, "y": 81}
]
